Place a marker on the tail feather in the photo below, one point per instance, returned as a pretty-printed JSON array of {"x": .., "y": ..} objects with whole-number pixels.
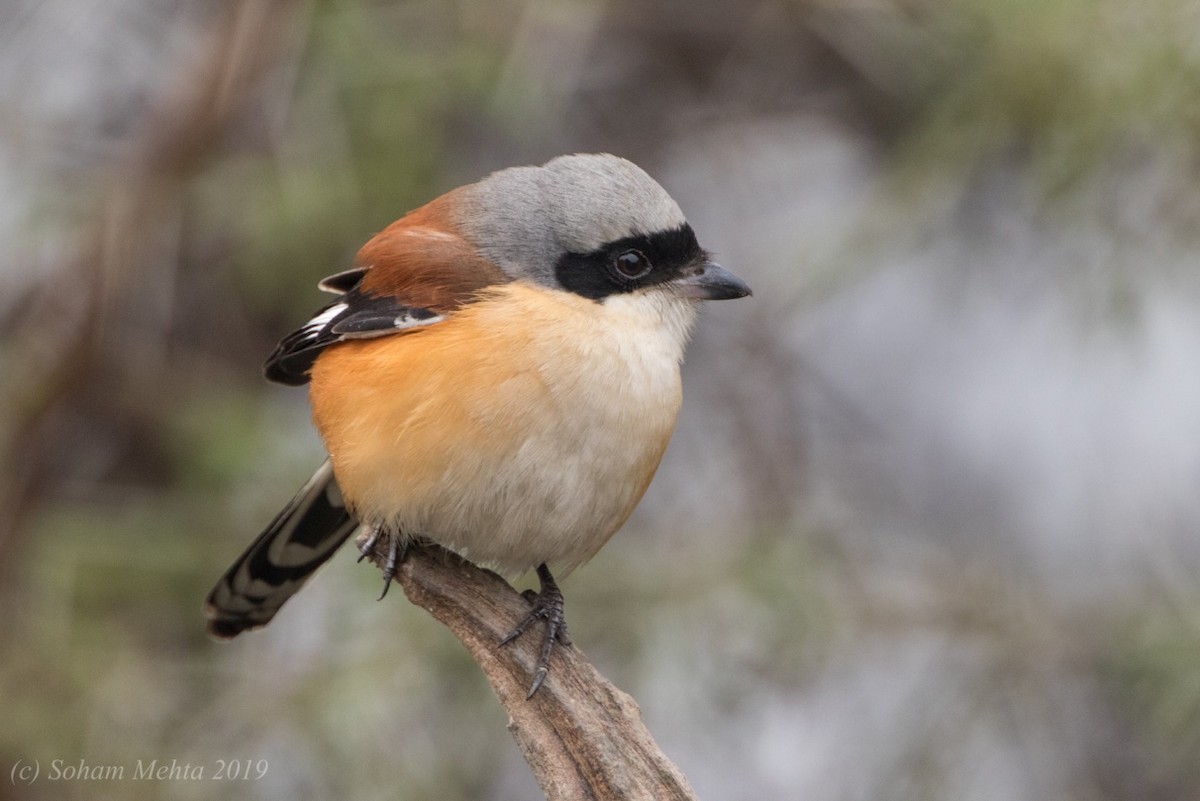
[{"x": 299, "y": 540}]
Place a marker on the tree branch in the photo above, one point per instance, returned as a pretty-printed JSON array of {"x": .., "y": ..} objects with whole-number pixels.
[{"x": 582, "y": 737}]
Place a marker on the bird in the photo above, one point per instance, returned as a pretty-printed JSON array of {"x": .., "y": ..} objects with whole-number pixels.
[{"x": 499, "y": 374}]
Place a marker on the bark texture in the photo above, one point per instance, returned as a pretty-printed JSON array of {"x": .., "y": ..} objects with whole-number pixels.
[{"x": 582, "y": 736}]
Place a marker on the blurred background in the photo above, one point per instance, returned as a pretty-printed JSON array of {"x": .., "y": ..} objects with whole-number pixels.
[{"x": 927, "y": 529}]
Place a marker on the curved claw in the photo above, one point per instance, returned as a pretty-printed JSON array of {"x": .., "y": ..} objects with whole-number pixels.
[
  {"x": 398, "y": 548},
  {"x": 548, "y": 606}
]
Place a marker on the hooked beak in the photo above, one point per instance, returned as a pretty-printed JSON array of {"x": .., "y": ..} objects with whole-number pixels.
[{"x": 708, "y": 280}]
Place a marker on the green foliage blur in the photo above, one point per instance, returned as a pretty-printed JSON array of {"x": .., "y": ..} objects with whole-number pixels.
[{"x": 794, "y": 622}]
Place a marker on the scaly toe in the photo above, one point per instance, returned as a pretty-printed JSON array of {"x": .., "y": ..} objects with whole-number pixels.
[{"x": 547, "y": 606}]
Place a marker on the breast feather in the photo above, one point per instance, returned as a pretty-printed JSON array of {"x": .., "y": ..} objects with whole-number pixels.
[{"x": 523, "y": 429}]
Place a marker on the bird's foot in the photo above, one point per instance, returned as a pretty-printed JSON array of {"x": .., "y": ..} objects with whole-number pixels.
[
  {"x": 392, "y": 546},
  {"x": 548, "y": 606}
]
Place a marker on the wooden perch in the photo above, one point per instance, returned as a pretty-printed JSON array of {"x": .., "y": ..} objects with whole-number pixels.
[{"x": 582, "y": 737}]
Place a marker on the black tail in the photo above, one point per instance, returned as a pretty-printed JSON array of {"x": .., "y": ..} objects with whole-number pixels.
[{"x": 275, "y": 566}]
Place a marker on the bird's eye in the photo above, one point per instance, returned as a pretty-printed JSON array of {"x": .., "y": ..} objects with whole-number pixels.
[{"x": 632, "y": 264}]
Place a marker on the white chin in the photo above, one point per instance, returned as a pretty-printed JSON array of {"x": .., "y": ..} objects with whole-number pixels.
[{"x": 656, "y": 308}]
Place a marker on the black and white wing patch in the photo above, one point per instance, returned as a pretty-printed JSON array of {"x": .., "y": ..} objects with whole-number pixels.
[{"x": 355, "y": 315}]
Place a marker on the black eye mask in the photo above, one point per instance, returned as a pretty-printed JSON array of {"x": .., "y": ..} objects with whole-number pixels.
[{"x": 634, "y": 262}]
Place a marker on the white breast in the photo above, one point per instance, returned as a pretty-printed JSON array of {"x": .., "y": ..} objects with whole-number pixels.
[{"x": 589, "y": 412}]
